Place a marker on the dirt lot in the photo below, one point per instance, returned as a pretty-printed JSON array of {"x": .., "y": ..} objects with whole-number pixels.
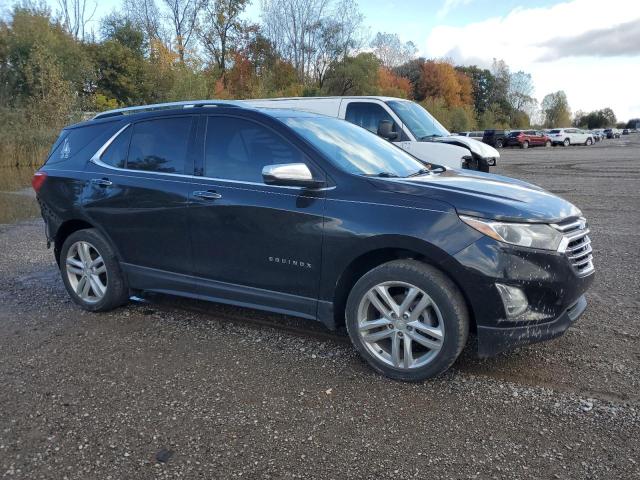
[{"x": 220, "y": 392}]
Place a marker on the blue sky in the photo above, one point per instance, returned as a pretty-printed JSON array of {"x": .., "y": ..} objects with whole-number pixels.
[{"x": 580, "y": 46}]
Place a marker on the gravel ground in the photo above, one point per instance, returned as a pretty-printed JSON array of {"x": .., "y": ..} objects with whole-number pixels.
[{"x": 168, "y": 388}]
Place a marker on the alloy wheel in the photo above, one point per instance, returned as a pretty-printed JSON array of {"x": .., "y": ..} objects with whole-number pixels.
[
  {"x": 86, "y": 271},
  {"x": 400, "y": 325}
]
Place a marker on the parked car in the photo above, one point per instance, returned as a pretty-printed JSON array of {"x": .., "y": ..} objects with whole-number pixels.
[
  {"x": 612, "y": 133},
  {"x": 625, "y": 131},
  {"x": 528, "y": 138},
  {"x": 405, "y": 123},
  {"x": 307, "y": 215},
  {"x": 570, "y": 136},
  {"x": 597, "y": 135},
  {"x": 495, "y": 138},
  {"x": 476, "y": 135}
]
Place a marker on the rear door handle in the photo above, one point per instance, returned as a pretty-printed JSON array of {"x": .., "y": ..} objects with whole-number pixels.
[
  {"x": 102, "y": 182},
  {"x": 207, "y": 195}
]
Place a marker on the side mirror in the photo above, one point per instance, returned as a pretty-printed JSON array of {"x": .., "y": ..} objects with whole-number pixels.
[
  {"x": 290, "y": 175},
  {"x": 385, "y": 130}
]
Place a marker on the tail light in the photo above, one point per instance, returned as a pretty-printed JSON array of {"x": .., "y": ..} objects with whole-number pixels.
[{"x": 38, "y": 180}]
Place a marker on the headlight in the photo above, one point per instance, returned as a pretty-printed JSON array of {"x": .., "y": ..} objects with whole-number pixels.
[{"x": 534, "y": 235}]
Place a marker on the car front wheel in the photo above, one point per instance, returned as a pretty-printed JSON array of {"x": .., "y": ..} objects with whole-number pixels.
[
  {"x": 547, "y": 143},
  {"x": 91, "y": 272},
  {"x": 566, "y": 142},
  {"x": 525, "y": 144},
  {"x": 588, "y": 142},
  {"x": 499, "y": 143},
  {"x": 407, "y": 320}
]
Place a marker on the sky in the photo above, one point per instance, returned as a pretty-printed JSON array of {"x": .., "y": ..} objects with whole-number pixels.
[{"x": 588, "y": 48}]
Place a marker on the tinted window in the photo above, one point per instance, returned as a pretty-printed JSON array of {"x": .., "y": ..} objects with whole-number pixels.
[
  {"x": 367, "y": 115},
  {"x": 238, "y": 149},
  {"x": 73, "y": 141},
  {"x": 353, "y": 149},
  {"x": 515, "y": 133},
  {"x": 116, "y": 154},
  {"x": 160, "y": 145},
  {"x": 555, "y": 131}
]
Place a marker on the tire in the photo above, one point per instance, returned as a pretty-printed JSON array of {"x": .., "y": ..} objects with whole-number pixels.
[
  {"x": 547, "y": 143},
  {"x": 499, "y": 143},
  {"x": 588, "y": 142},
  {"x": 525, "y": 144},
  {"x": 107, "y": 286},
  {"x": 566, "y": 142},
  {"x": 437, "y": 332}
]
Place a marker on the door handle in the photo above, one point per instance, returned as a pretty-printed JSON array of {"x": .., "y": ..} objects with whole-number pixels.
[
  {"x": 102, "y": 182},
  {"x": 207, "y": 195}
]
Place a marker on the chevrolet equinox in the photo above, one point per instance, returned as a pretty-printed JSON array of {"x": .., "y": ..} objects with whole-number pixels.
[{"x": 311, "y": 216}]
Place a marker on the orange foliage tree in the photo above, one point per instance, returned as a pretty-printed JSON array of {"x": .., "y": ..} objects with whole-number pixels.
[
  {"x": 439, "y": 79},
  {"x": 392, "y": 85}
]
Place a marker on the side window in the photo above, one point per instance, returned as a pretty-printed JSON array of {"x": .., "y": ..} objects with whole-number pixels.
[
  {"x": 367, "y": 115},
  {"x": 116, "y": 154},
  {"x": 160, "y": 145},
  {"x": 238, "y": 149}
]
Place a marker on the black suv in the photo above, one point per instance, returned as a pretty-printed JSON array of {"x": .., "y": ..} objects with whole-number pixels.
[
  {"x": 311, "y": 216},
  {"x": 495, "y": 138}
]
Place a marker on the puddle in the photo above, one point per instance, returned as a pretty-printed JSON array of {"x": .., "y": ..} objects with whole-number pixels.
[{"x": 17, "y": 199}]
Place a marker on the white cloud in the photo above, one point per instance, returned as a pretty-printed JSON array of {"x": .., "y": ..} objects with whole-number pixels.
[
  {"x": 531, "y": 39},
  {"x": 449, "y": 5}
]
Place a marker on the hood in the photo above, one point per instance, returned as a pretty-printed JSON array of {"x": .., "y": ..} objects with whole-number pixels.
[
  {"x": 486, "y": 195},
  {"x": 479, "y": 148},
  {"x": 436, "y": 153}
]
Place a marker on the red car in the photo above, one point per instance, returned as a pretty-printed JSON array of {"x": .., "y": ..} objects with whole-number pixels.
[{"x": 528, "y": 138}]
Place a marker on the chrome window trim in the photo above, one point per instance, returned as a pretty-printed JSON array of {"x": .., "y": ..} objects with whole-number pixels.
[{"x": 95, "y": 159}]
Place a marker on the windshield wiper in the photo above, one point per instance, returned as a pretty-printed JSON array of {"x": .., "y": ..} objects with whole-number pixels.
[
  {"x": 381, "y": 174},
  {"x": 422, "y": 171},
  {"x": 427, "y": 137}
]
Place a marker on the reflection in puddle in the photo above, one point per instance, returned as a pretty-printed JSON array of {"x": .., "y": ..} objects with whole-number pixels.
[{"x": 17, "y": 199}]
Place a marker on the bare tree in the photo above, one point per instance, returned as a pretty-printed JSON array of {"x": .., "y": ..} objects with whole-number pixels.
[
  {"x": 311, "y": 33},
  {"x": 391, "y": 51},
  {"x": 220, "y": 28},
  {"x": 183, "y": 15},
  {"x": 75, "y": 15},
  {"x": 145, "y": 14}
]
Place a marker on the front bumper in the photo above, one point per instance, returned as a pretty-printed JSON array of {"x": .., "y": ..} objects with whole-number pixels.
[
  {"x": 493, "y": 340},
  {"x": 553, "y": 288}
]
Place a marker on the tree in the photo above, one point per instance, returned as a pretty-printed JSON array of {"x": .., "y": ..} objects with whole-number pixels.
[
  {"x": 482, "y": 83},
  {"x": 220, "y": 29},
  {"x": 392, "y": 85},
  {"x": 310, "y": 34},
  {"x": 412, "y": 70},
  {"x": 440, "y": 79},
  {"x": 146, "y": 16},
  {"x": 520, "y": 91},
  {"x": 353, "y": 76},
  {"x": 555, "y": 107},
  {"x": 391, "y": 51},
  {"x": 183, "y": 15},
  {"x": 596, "y": 119},
  {"x": 75, "y": 15}
]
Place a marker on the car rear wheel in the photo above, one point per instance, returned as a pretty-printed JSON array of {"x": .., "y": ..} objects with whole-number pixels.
[
  {"x": 588, "y": 142},
  {"x": 547, "y": 143},
  {"x": 525, "y": 144},
  {"x": 91, "y": 272},
  {"x": 407, "y": 320},
  {"x": 566, "y": 142},
  {"x": 499, "y": 143}
]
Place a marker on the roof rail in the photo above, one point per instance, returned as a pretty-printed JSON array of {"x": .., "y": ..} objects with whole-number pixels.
[{"x": 166, "y": 106}]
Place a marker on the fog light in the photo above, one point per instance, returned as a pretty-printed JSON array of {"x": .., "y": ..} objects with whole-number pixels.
[{"x": 514, "y": 300}]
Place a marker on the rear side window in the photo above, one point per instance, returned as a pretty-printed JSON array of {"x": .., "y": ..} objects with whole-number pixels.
[
  {"x": 73, "y": 141},
  {"x": 367, "y": 115},
  {"x": 554, "y": 131},
  {"x": 160, "y": 145},
  {"x": 116, "y": 154},
  {"x": 238, "y": 149}
]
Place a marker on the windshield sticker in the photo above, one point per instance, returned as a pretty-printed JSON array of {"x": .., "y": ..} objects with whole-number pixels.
[{"x": 66, "y": 149}]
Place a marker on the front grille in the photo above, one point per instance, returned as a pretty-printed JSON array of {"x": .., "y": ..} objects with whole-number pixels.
[{"x": 577, "y": 245}]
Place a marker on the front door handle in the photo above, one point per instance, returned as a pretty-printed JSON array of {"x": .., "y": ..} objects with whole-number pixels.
[
  {"x": 207, "y": 195},
  {"x": 102, "y": 182}
]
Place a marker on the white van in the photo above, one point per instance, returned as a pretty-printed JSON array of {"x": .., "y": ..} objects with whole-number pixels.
[{"x": 403, "y": 122}]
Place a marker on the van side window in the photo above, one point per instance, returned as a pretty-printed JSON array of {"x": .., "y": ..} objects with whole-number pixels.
[
  {"x": 160, "y": 145},
  {"x": 238, "y": 149},
  {"x": 367, "y": 115},
  {"x": 116, "y": 154}
]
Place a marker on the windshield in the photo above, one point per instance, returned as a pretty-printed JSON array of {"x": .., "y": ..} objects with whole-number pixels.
[
  {"x": 353, "y": 148},
  {"x": 420, "y": 122}
]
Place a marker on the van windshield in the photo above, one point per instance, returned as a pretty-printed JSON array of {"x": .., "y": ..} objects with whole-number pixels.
[
  {"x": 420, "y": 122},
  {"x": 354, "y": 149}
]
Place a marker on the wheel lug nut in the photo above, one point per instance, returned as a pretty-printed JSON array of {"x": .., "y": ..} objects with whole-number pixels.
[
  {"x": 399, "y": 334},
  {"x": 405, "y": 316},
  {"x": 409, "y": 328}
]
